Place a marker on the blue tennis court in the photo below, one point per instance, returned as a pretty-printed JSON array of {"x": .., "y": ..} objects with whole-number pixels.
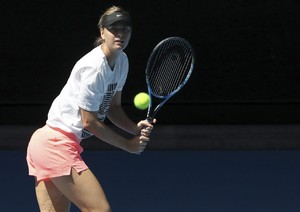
[{"x": 208, "y": 181}]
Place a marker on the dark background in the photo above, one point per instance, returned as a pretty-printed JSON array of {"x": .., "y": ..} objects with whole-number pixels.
[{"x": 247, "y": 57}]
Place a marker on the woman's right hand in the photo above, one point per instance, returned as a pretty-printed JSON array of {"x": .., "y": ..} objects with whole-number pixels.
[{"x": 137, "y": 144}]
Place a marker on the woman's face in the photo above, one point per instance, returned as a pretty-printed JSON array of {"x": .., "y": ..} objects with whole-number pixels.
[{"x": 116, "y": 37}]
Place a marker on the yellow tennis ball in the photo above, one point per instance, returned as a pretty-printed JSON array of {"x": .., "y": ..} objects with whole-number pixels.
[{"x": 141, "y": 100}]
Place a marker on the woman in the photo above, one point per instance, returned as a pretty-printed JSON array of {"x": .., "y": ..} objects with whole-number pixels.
[{"x": 92, "y": 92}]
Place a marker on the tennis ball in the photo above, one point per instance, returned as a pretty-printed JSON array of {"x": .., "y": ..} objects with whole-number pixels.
[{"x": 141, "y": 101}]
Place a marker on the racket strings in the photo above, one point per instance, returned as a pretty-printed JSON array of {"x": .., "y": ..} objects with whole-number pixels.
[{"x": 170, "y": 67}]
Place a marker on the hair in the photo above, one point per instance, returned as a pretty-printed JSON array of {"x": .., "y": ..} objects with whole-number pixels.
[{"x": 108, "y": 11}]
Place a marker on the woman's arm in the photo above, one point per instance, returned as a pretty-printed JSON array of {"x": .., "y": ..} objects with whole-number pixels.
[
  {"x": 118, "y": 117},
  {"x": 105, "y": 133}
]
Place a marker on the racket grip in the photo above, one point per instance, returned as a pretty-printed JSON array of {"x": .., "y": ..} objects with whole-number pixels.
[{"x": 150, "y": 119}]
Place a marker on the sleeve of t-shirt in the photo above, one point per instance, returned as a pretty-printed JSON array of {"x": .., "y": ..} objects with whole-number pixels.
[{"x": 90, "y": 93}]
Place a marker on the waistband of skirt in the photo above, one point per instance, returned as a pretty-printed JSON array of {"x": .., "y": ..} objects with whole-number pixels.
[{"x": 70, "y": 135}]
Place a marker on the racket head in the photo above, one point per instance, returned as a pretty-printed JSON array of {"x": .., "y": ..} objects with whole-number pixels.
[{"x": 169, "y": 67}]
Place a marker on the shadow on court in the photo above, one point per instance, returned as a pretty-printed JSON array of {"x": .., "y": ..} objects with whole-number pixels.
[{"x": 160, "y": 181}]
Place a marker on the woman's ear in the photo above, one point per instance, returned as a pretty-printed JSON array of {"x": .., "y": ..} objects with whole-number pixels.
[{"x": 102, "y": 32}]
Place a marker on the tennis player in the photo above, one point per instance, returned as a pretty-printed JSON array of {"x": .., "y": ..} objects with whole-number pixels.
[{"x": 92, "y": 92}]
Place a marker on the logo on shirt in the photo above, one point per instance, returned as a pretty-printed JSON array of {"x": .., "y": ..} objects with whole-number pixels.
[{"x": 104, "y": 106}]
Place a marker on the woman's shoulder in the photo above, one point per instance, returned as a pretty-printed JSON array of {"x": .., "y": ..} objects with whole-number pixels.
[
  {"x": 123, "y": 57},
  {"x": 94, "y": 55},
  {"x": 92, "y": 59}
]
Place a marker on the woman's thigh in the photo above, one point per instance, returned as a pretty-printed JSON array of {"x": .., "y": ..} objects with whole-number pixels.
[
  {"x": 50, "y": 198},
  {"x": 84, "y": 190}
]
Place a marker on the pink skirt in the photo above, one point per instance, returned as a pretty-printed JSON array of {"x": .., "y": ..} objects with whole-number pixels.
[{"x": 53, "y": 153}]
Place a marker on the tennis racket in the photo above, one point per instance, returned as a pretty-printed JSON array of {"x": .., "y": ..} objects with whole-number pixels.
[{"x": 168, "y": 69}]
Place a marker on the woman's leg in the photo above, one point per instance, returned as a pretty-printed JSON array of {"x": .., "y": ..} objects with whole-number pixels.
[
  {"x": 84, "y": 190},
  {"x": 50, "y": 199}
]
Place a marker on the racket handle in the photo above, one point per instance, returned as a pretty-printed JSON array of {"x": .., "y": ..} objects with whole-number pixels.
[{"x": 150, "y": 119}]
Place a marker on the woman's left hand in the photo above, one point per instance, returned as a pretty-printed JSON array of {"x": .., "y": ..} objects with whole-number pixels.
[{"x": 146, "y": 127}]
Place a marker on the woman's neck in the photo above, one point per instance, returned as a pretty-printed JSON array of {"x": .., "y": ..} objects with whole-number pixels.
[{"x": 111, "y": 56}]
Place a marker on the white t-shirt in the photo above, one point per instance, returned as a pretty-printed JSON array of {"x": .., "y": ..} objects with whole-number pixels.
[{"x": 91, "y": 86}]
